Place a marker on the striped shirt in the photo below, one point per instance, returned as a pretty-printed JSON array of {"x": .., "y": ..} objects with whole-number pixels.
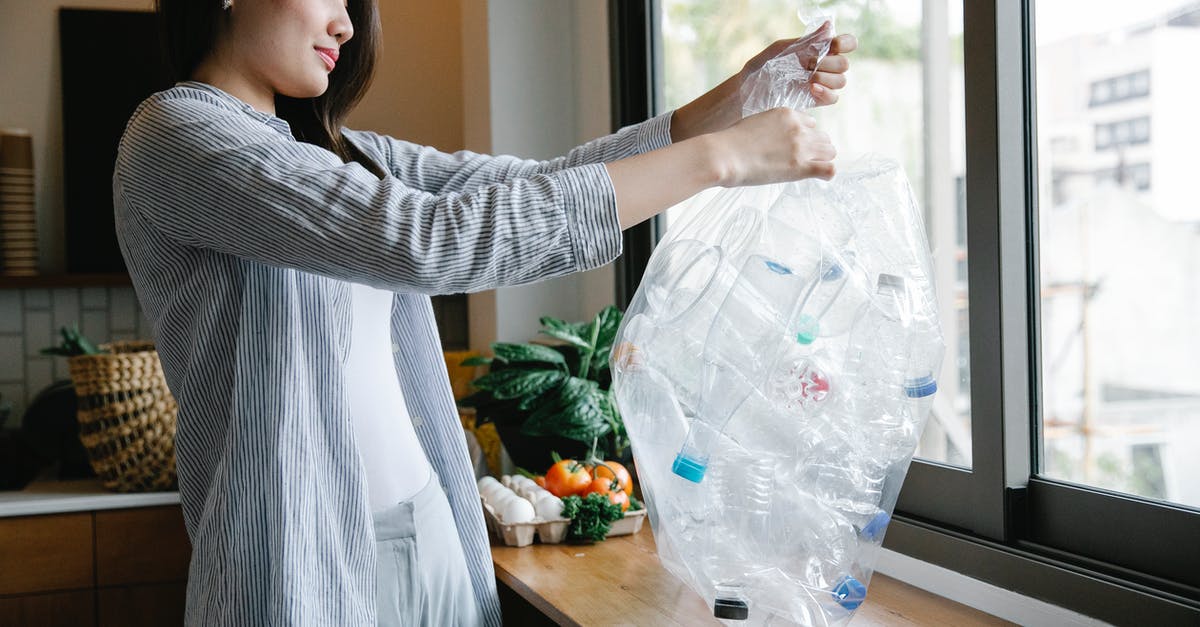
[{"x": 241, "y": 243}]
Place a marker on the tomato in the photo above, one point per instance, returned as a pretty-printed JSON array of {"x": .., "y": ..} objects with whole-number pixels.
[
  {"x": 540, "y": 480},
  {"x": 607, "y": 469},
  {"x": 567, "y": 477},
  {"x": 620, "y": 498},
  {"x": 607, "y": 487}
]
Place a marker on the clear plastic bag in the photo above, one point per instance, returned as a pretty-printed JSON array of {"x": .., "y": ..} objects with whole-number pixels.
[{"x": 775, "y": 370}]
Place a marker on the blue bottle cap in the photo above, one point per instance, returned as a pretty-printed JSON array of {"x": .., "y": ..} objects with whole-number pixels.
[
  {"x": 688, "y": 468},
  {"x": 809, "y": 326},
  {"x": 833, "y": 272},
  {"x": 849, "y": 592},
  {"x": 920, "y": 387},
  {"x": 874, "y": 529},
  {"x": 778, "y": 268}
]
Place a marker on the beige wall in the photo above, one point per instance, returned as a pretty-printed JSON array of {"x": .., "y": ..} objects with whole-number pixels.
[
  {"x": 418, "y": 90},
  {"x": 417, "y": 94}
]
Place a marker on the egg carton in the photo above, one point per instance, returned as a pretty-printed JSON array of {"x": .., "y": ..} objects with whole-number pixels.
[{"x": 552, "y": 531}]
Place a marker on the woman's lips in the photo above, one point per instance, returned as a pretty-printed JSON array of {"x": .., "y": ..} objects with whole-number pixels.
[{"x": 329, "y": 56}]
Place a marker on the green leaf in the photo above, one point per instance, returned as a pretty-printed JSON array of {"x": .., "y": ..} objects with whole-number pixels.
[
  {"x": 528, "y": 382},
  {"x": 73, "y": 343},
  {"x": 577, "y": 413},
  {"x": 476, "y": 361},
  {"x": 528, "y": 353},
  {"x": 573, "y": 334},
  {"x": 532, "y": 401},
  {"x": 608, "y": 320},
  {"x": 495, "y": 378}
]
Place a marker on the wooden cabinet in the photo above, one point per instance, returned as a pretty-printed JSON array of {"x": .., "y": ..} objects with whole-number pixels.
[
  {"x": 119, "y": 568},
  {"x": 45, "y": 553},
  {"x": 143, "y": 605},
  {"x": 143, "y": 545},
  {"x": 59, "y": 609}
]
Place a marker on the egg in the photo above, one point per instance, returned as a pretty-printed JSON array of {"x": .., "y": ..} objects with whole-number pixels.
[
  {"x": 549, "y": 507},
  {"x": 506, "y": 481},
  {"x": 516, "y": 510},
  {"x": 492, "y": 491}
]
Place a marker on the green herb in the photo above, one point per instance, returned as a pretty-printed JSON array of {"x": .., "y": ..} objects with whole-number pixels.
[
  {"x": 73, "y": 343},
  {"x": 560, "y": 390},
  {"x": 635, "y": 505},
  {"x": 591, "y": 517}
]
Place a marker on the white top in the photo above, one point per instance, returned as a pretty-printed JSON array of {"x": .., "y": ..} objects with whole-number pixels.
[{"x": 396, "y": 464}]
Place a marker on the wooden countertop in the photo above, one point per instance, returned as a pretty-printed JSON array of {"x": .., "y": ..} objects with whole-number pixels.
[{"x": 621, "y": 581}]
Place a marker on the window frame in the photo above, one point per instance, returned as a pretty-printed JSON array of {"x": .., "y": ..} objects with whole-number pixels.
[{"x": 1115, "y": 557}]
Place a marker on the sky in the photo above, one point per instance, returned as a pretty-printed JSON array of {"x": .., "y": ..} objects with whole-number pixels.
[{"x": 1059, "y": 19}]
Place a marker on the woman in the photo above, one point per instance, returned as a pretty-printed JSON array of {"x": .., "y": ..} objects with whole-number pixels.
[{"x": 286, "y": 264}]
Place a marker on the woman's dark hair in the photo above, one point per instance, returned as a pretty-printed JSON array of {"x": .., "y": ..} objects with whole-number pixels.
[{"x": 189, "y": 32}]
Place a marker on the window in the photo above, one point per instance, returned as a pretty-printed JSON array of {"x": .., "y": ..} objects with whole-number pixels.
[
  {"x": 1118, "y": 88},
  {"x": 1136, "y": 176},
  {"x": 1076, "y": 477},
  {"x": 1122, "y": 133}
]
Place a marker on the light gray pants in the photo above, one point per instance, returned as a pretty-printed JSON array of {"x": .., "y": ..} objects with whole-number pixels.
[{"x": 423, "y": 576}]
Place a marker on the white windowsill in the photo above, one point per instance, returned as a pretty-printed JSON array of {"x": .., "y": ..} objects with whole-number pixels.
[{"x": 980, "y": 595}]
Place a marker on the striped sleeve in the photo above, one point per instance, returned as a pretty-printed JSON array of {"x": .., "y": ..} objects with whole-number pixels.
[
  {"x": 430, "y": 170},
  {"x": 213, "y": 179}
]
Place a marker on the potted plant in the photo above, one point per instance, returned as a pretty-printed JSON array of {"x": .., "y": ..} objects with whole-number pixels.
[{"x": 553, "y": 398}]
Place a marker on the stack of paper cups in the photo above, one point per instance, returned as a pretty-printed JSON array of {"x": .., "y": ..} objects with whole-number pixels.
[{"x": 18, "y": 222}]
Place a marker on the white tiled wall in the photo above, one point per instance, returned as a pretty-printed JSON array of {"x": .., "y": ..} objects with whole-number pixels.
[{"x": 29, "y": 322}]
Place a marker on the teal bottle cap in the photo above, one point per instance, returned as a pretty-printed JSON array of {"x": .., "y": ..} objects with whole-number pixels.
[
  {"x": 809, "y": 327},
  {"x": 688, "y": 468}
]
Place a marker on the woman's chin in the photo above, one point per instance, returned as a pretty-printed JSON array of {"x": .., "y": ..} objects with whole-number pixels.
[{"x": 310, "y": 88}]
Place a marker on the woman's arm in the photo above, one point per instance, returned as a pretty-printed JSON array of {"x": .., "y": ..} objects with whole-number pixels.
[
  {"x": 430, "y": 170},
  {"x": 215, "y": 179}
]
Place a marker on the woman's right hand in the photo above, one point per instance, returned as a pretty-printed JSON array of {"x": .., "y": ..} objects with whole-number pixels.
[
  {"x": 774, "y": 146},
  {"x": 770, "y": 147}
]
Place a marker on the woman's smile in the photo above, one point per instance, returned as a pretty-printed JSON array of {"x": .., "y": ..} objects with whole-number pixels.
[{"x": 329, "y": 56}]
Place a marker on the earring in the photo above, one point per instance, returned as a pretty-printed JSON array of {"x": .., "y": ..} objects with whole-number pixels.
[{"x": 226, "y": 4}]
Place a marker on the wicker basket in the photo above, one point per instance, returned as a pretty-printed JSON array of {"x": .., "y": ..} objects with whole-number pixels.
[{"x": 126, "y": 416}]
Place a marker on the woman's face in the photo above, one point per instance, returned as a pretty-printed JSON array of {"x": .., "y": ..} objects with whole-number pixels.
[{"x": 288, "y": 46}]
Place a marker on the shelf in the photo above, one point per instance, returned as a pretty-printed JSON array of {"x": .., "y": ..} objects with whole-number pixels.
[{"x": 117, "y": 279}]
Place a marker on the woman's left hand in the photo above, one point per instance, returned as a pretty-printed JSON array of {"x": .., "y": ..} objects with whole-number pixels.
[{"x": 721, "y": 107}]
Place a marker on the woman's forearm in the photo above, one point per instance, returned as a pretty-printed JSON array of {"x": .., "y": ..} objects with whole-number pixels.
[
  {"x": 649, "y": 183},
  {"x": 716, "y": 110}
]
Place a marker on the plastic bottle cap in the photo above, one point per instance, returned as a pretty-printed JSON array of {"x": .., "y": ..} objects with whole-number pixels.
[
  {"x": 833, "y": 272},
  {"x": 732, "y": 609},
  {"x": 890, "y": 280},
  {"x": 688, "y": 468},
  {"x": 809, "y": 327},
  {"x": 849, "y": 592},
  {"x": 874, "y": 529},
  {"x": 920, "y": 387},
  {"x": 778, "y": 268}
]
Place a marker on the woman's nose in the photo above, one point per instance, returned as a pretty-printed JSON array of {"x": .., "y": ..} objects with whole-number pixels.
[{"x": 341, "y": 29}]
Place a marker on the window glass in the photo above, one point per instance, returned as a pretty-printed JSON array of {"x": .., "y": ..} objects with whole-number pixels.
[{"x": 1119, "y": 245}]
